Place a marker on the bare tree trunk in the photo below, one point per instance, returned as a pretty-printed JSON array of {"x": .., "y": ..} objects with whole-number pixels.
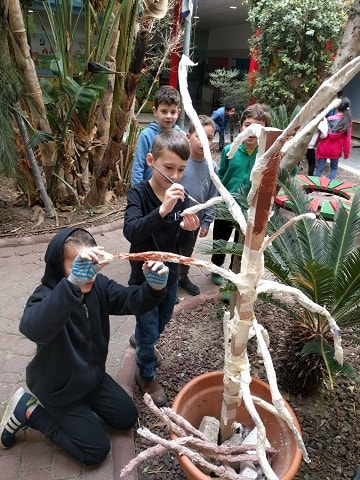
[
  {"x": 13, "y": 12},
  {"x": 350, "y": 43},
  {"x": 116, "y": 145},
  {"x": 104, "y": 107}
]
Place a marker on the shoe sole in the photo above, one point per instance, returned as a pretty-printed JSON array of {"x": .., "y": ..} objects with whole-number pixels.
[{"x": 10, "y": 410}]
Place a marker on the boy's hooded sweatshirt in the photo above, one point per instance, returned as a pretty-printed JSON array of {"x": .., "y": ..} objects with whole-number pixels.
[
  {"x": 146, "y": 230},
  {"x": 72, "y": 330},
  {"x": 140, "y": 170}
]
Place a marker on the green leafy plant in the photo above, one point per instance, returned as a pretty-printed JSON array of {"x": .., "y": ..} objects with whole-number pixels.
[
  {"x": 294, "y": 43},
  {"x": 322, "y": 260},
  {"x": 234, "y": 89},
  {"x": 280, "y": 117}
]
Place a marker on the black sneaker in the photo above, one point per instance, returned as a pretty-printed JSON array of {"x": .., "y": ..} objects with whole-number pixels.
[
  {"x": 14, "y": 417},
  {"x": 159, "y": 357},
  {"x": 190, "y": 287}
]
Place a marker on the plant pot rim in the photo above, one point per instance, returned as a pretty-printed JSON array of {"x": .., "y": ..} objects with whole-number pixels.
[{"x": 192, "y": 471}]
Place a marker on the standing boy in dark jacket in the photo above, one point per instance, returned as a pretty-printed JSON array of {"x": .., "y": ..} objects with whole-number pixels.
[
  {"x": 67, "y": 317},
  {"x": 152, "y": 222}
]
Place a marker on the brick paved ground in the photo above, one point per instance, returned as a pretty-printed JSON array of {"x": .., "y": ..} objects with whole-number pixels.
[{"x": 34, "y": 457}]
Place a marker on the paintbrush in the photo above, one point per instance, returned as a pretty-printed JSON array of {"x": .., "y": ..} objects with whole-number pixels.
[{"x": 172, "y": 181}]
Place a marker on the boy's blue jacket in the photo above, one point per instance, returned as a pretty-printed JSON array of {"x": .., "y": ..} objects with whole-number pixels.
[
  {"x": 140, "y": 170},
  {"x": 221, "y": 120},
  {"x": 71, "y": 330}
]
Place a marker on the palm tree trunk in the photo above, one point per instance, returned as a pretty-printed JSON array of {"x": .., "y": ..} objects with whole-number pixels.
[
  {"x": 13, "y": 13},
  {"x": 115, "y": 145},
  {"x": 104, "y": 107}
]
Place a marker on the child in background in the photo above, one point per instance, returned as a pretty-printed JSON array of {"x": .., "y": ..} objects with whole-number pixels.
[
  {"x": 338, "y": 140},
  {"x": 321, "y": 132},
  {"x": 197, "y": 182},
  {"x": 221, "y": 118},
  {"x": 166, "y": 111},
  {"x": 67, "y": 317},
  {"x": 234, "y": 174},
  {"x": 152, "y": 222}
]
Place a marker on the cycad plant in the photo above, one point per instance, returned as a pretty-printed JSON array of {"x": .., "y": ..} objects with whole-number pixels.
[{"x": 321, "y": 259}]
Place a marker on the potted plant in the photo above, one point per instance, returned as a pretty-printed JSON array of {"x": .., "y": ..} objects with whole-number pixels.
[{"x": 250, "y": 283}]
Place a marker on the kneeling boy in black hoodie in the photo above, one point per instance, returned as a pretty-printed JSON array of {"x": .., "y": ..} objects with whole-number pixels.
[{"x": 67, "y": 317}]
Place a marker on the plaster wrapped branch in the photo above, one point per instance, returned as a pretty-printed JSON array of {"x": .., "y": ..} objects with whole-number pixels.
[
  {"x": 245, "y": 380},
  {"x": 268, "y": 240},
  {"x": 276, "y": 396},
  {"x": 272, "y": 287},
  {"x": 234, "y": 208}
]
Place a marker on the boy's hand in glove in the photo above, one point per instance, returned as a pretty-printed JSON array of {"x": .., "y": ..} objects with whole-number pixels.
[
  {"x": 87, "y": 264},
  {"x": 156, "y": 274}
]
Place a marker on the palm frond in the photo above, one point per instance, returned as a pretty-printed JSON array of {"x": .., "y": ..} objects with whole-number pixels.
[
  {"x": 345, "y": 233},
  {"x": 347, "y": 287},
  {"x": 222, "y": 246},
  {"x": 306, "y": 236},
  {"x": 316, "y": 281},
  {"x": 280, "y": 117},
  {"x": 325, "y": 349}
]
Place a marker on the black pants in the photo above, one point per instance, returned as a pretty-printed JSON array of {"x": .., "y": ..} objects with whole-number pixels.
[
  {"x": 187, "y": 242},
  {"x": 310, "y": 156},
  {"x": 221, "y": 140},
  {"x": 76, "y": 428},
  {"x": 222, "y": 231}
]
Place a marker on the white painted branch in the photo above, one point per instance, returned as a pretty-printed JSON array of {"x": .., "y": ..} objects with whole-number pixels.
[
  {"x": 309, "y": 126},
  {"x": 209, "y": 203},
  {"x": 234, "y": 208},
  {"x": 268, "y": 286},
  {"x": 276, "y": 396},
  {"x": 304, "y": 216},
  {"x": 179, "y": 447},
  {"x": 252, "y": 130},
  {"x": 245, "y": 380}
]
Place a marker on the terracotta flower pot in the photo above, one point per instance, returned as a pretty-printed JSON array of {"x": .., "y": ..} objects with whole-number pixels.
[{"x": 203, "y": 396}]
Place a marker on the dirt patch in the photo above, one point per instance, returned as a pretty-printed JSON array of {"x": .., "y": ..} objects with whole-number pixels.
[
  {"x": 17, "y": 219},
  {"x": 192, "y": 344}
]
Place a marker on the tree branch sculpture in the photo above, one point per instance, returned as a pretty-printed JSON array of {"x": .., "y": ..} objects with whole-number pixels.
[{"x": 249, "y": 282}]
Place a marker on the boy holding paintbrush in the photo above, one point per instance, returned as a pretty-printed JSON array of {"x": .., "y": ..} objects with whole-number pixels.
[{"x": 153, "y": 222}]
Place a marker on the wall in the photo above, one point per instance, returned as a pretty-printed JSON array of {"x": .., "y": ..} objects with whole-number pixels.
[
  {"x": 352, "y": 91},
  {"x": 230, "y": 37},
  {"x": 227, "y": 47}
]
